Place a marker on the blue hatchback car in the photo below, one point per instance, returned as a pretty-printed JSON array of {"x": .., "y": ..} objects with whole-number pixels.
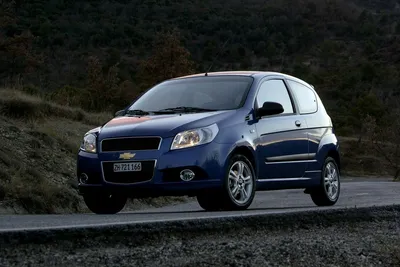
[{"x": 218, "y": 136}]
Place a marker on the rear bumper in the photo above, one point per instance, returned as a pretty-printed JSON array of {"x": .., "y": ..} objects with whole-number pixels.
[{"x": 207, "y": 161}]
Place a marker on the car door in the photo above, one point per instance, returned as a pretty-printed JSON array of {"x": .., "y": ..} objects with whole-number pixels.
[{"x": 282, "y": 146}]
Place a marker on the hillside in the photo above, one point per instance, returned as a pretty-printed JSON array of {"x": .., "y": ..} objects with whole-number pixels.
[
  {"x": 39, "y": 144},
  {"x": 347, "y": 49}
]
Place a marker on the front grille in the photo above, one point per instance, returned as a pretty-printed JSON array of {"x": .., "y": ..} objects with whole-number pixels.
[
  {"x": 130, "y": 143},
  {"x": 145, "y": 174}
]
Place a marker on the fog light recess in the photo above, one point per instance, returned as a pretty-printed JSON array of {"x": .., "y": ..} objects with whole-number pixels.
[
  {"x": 187, "y": 175},
  {"x": 83, "y": 178}
]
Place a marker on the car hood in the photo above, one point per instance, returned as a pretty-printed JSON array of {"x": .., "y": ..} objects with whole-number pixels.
[{"x": 167, "y": 125}]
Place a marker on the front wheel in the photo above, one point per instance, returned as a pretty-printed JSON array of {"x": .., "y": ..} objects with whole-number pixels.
[
  {"x": 209, "y": 201},
  {"x": 238, "y": 188},
  {"x": 239, "y": 184},
  {"x": 104, "y": 203},
  {"x": 327, "y": 194}
]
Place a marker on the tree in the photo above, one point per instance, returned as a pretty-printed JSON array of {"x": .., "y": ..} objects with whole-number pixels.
[
  {"x": 168, "y": 59},
  {"x": 101, "y": 87},
  {"x": 368, "y": 105},
  {"x": 385, "y": 140},
  {"x": 7, "y": 13},
  {"x": 104, "y": 90},
  {"x": 17, "y": 55}
]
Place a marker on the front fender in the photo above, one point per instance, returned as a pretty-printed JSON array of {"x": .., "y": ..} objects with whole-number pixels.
[{"x": 247, "y": 149}]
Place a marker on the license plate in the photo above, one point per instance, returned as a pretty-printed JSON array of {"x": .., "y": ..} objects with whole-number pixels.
[{"x": 128, "y": 167}]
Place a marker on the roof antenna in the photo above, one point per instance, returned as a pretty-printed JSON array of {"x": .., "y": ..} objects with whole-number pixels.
[{"x": 216, "y": 56}]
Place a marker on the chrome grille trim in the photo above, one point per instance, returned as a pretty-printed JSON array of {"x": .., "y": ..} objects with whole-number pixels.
[{"x": 130, "y": 137}]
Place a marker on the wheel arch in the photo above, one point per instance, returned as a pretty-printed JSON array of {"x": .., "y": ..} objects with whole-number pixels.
[
  {"x": 329, "y": 150},
  {"x": 329, "y": 147},
  {"x": 333, "y": 153},
  {"x": 248, "y": 152}
]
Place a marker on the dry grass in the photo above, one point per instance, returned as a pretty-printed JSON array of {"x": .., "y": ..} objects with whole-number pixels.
[
  {"x": 18, "y": 105},
  {"x": 361, "y": 159},
  {"x": 39, "y": 142},
  {"x": 35, "y": 194},
  {"x": 24, "y": 186}
]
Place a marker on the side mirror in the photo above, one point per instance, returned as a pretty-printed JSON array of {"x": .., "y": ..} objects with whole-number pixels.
[
  {"x": 119, "y": 113},
  {"x": 270, "y": 108}
]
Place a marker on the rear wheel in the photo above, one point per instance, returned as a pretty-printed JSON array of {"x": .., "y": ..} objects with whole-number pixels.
[
  {"x": 105, "y": 203},
  {"x": 327, "y": 194}
]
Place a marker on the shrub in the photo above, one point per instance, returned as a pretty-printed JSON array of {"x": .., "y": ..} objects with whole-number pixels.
[{"x": 69, "y": 96}]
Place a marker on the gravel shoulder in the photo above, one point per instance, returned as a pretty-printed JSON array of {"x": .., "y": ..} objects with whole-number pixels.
[{"x": 348, "y": 237}]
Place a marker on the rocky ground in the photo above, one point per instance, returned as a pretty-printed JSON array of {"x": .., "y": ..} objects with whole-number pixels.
[
  {"x": 351, "y": 238},
  {"x": 376, "y": 244}
]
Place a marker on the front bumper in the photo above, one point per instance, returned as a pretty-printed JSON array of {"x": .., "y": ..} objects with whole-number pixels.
[{"x": 207, "y": 161}]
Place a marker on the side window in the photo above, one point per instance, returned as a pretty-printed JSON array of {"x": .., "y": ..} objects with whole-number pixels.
[
  {"x": 305, "y": 97},
  {"x": 275, "y": 91}
]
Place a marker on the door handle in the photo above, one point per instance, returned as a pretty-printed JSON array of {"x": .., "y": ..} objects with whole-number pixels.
[{"x": 298, "y": 123}]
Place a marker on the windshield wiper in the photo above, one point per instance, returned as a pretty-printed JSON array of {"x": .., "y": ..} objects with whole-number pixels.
[
  {"x": 137, "y": 112},
  {"x": 183, "y": 109}
]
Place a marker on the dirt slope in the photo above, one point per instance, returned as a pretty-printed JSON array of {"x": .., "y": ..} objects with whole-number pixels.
[{"x": 38, "y": 146}]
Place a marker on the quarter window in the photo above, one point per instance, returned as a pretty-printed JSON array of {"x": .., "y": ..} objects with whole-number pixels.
[
  {"x": 275, "y": 91},
  {"x": 306, "y": 98}
]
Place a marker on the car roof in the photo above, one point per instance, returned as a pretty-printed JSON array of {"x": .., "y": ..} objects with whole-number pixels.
[
  {"x": 220, "y": 73},
  {"x": 246, "y": 73}
]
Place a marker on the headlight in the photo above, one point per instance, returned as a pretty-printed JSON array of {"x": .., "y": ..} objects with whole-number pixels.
[
  {"x": 195, "y": 137},
  {"x": 89, "y": 143}
]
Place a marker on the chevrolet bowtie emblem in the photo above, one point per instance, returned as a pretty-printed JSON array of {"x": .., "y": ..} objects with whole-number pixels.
[{"x": 126, "y": 156}]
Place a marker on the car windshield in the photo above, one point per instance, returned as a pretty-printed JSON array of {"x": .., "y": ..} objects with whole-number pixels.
[{"x": 195, "y": 94}]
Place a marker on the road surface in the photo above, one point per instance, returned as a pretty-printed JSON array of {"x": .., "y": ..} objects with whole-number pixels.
[{"x": 354, "y": 193}]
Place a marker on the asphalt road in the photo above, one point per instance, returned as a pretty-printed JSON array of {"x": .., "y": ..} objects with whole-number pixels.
[{"x": 354, "y": 193}]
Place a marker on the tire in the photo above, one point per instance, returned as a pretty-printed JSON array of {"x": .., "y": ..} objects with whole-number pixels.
[
  {"x": 209, "y": 201},
  {"x": 104, "y": 203},
  {"x": 225, "y": 199},
  {"x": 330, "y": 180},
  {"x": 229, "y": 201}
]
